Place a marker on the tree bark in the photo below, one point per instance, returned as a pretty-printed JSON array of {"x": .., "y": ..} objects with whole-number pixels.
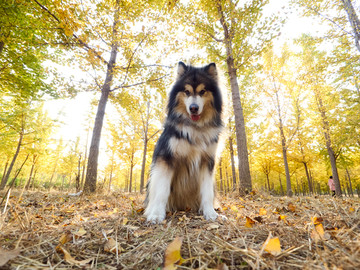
[
  {"x": 241, "y": 140},
  {"x": 84, "y": 163},
  {"x": 268, "y": 182},
  {"x": 281, "y": 186},
  {"x": 31, "y": 173},
  {"x": 6, "y": 178},
  {"x": 143, "y": 163},
  {"x": 308, "y": 178},
  {"x": 233, "y": 171},
  {"x": 350, "y": 185},
  {"x": 77, "y": 178},
  {"x": 6, "y": 164},
  {"x": 354, "y": 21},
  {"x": 330, "y": 150},
  {"x": 111, "y": 174},
  {"x": 131, "y": 169},
  {"x": 286, "y": 164},
  {"x": 92, "y": 165}
]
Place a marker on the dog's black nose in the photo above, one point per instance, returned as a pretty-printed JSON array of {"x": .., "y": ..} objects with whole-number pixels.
[{"x": 194, "y": 108}]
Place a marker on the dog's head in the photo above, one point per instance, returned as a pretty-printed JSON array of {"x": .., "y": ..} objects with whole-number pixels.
[{"x": 196, "y": 94}]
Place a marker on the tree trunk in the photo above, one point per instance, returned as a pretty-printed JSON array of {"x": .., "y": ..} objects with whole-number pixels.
[
  {"x": 32, "y": 185},
  {"x": 241, "y": 140},
  {"x": 29, "y": 180},
  {"x": 6, "y": 178},
  {"x": 354, "y": 21},
  {"x": 77, "y": 179},
  {"x": 308, "y": 178},
  {"x": 110, "y": 178},
  {"x": 268, "y": 181},
  {"x": 91, "y": 172},
  {"x": 13, "y": 181},
  {"x": 233, "y": 171},
  {"x": 221, "y": 178},
  {"x": 84, "y": 163},
  {"x": 142, "y": 176},
  {"x": 281, "y": 186},
  {"x": 350, "y": 185},
  {"x": 330, "y": 150},
  {"x": 6, "y": 164},
  {"x": 227, "y": 180},
  {"x": 131, "y": 170}
]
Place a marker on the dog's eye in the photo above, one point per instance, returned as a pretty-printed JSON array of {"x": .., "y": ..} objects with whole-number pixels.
[
  {"x": 187, "y": 92},
  {"x": 202, "y": 92}
]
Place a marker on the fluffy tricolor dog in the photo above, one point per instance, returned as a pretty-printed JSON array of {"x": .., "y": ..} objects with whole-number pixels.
[{"x": 182, "y": 169}]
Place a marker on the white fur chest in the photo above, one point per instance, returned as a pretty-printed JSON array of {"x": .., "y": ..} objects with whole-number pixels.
[{"x": 195, "y": 142}]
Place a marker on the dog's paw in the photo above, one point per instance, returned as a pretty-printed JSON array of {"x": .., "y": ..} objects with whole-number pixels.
[
  {"x": 155, "y": 215},
  {"x": 210, "y": 214}
]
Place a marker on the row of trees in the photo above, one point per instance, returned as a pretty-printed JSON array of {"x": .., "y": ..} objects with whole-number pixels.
[{"x": 291, "y": 108}]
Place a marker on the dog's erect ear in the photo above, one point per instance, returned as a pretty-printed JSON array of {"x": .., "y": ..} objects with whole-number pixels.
[
  {"x": 181, "y": 70},
  {"x": 211, "y": 70}
]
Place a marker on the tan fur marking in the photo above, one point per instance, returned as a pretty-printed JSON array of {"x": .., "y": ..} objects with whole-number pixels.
[
  {"x": 208, "y": 110},
  {"x": 190, "y": 88},
  {"x": 181, "y": 107},
  {"x": 200, "y": 87}
]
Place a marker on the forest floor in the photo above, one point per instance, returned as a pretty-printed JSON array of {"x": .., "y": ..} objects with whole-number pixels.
[{"x": 52, "y": 230}]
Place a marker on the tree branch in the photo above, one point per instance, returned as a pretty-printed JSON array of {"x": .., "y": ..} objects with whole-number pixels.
[
  {"x": 139, "y": 83},
  {"x": 84, "y": 45}
]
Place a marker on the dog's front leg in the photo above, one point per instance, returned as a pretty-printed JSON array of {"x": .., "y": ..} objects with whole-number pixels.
[
  {"x": 207, "y": 196},
  {"x": 158, "y": 191}
]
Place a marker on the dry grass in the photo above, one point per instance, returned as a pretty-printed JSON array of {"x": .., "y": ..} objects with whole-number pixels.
[{"x": 109, "y": 232}]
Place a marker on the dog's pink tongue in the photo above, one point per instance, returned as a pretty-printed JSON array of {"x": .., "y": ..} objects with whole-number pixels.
[{"x": 195, "y": 117}]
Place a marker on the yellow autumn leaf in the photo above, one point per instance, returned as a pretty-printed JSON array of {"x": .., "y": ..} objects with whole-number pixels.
[
  {"x": 351, "y": 209},
  {"x": 262, "y": 212},
  {"x": 273, "y": 246},
  {"x": 125, "y": 221},
  {"x": 65, "y": 237},
  {"x": 249, "y": 222},
  {"x": 291, "y": 207},
  {"x": 317, "y": 220},
  {"x": 318, "y": 233},
  {"x": 68, "y": 258},
  {"x": 172, "y": 254},
  {"x": 80, "y": 232},
  {"x": 234, "y": 208}
]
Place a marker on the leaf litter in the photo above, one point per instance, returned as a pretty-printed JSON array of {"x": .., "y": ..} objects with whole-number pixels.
[{"x": 56, "y": 231}]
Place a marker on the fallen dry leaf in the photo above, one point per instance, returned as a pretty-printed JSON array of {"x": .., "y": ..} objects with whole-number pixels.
[
  {"x": 262, "y": 212},
  {"x": 124, "y": 221},
  {"x": 111, "y": 245},
  {"x": 68, "y": 258},
  {"x": 249, "y": 222},
  {"x": 212, "y": 226},
  {"x": 80, "y": 232},
  {"x": 7, "y": 255},
  {"x": 172, "y": 254},
  {"x": 65, "y": 237},
  {"x": 273, "y": 246},
  {"x": 318, "y": 233},
  {"x": 317, "y": 220},
  {"x": 291, "y": 207}
]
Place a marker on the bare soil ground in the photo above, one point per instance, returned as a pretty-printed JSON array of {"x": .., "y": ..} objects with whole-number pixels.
[{"x": 53, "y": 230}]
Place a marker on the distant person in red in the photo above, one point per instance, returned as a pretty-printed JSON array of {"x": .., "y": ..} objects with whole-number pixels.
[{"x": 332, "y": 185}]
